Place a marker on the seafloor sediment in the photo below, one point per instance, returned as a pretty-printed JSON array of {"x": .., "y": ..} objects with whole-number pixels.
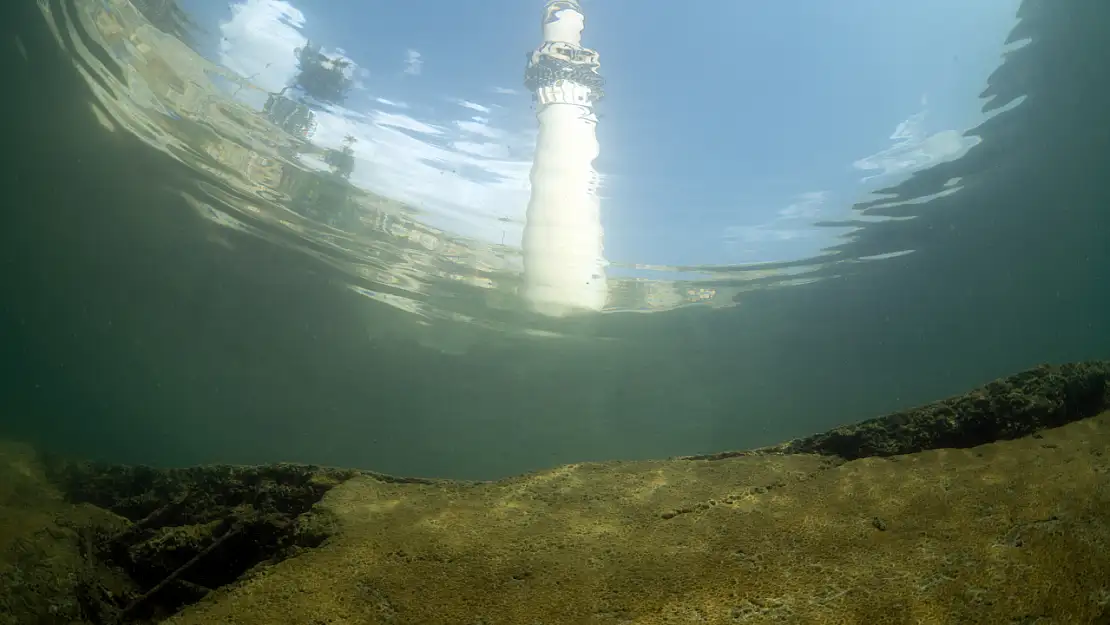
[{"x": 991, "y": 507}]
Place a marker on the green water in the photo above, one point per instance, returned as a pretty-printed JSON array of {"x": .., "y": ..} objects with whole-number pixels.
[{"x": 147, "y": 317}]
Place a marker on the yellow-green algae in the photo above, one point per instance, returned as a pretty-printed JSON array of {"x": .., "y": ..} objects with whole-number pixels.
[{"x": 1008, "y": 532}]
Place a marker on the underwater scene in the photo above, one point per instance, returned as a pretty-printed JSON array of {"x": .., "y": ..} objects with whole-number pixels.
[{"x": 555, "y": 312}]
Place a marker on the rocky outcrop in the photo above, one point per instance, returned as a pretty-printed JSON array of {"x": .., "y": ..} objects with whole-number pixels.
[
  {"x": 1045, "y": 397},
  {"x": 1009, "y": 532}
]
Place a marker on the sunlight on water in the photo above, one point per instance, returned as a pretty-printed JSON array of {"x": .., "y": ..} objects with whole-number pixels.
[{"x": 446, "y": 219}]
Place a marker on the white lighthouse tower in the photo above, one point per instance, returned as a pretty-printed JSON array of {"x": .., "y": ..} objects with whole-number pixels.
[{"x": 564, "y": 268}]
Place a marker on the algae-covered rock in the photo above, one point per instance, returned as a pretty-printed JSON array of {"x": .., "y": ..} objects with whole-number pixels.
[
  {"x": 915, "y": 517},
  {"x": 1044, "y": 397},
  {"x": 93, "y": 544},
  {"x": 1009, "y": 532},
  {"x": 197, "y": 529},
  {"x": 45, "y": 573}
]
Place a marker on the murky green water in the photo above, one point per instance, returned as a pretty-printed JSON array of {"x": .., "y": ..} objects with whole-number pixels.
[{"x": 277, "y": 231}]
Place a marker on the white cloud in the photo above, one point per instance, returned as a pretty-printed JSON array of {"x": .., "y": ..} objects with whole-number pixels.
[
  {"x": 359, "y": 77},
  {"x": 914, "y": 148},
  {"x": 478, "y": 126},
  {"x": 789, "y": 224},
  {"x": 487, "y": 150},
  {"x": 473, "y": 106},
  {"x": 260, "y": 41},
  {"x": 414, "y": 64},
  {"x": 762, "y": 233},
  {"x": 404, "y": 122},
  {"x": 459, "y": 183},
  {"x": 462, "y": 186},
  {"x": 806, "y": 206},
  {"x": 505, "y": 91}
]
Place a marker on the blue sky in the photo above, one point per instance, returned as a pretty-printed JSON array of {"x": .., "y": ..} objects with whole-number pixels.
[{"x": 728, "y": 129}]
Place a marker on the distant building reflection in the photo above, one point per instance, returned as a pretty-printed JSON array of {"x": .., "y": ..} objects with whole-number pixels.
[{"x": 291, "y": 116}]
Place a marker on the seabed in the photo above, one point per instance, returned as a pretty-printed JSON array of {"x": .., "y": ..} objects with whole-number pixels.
[{"x": 989, "y": 507}]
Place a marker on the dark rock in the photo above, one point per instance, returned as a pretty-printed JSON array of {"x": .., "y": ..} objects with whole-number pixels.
[
  {"x": 197, "y": 529},
  {"x": 1020, "y": 405}
]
